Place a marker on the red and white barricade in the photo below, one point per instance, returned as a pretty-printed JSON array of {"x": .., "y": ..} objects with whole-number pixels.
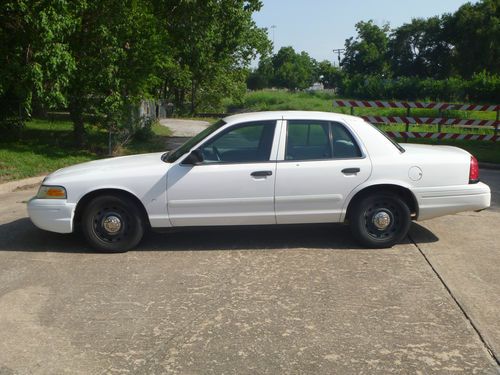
[{"x": 439, "y": 121}]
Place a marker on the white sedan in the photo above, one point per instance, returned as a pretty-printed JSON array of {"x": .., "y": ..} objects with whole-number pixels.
[{"x": 260, "y": 169}]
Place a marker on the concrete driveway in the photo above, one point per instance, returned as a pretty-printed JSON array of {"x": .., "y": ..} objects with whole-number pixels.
[
  {"x": 182, "y": 130},
  {"x": 301, "y": 299}
]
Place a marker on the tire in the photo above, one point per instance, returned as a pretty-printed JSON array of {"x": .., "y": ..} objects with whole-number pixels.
[
  {"x": 379, "y": 220},
  {"x": 112, "y": 224}
]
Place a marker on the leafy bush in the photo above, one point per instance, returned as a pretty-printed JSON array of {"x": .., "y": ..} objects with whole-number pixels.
[{"x": 482, "y": 88}]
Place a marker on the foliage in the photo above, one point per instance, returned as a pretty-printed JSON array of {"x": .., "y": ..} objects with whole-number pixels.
[
  {"x": 367, "y": 54},
  {"x": 329, "y": 75},
  {"x": 286, "y": 69},
  {"x": 263, "y": 76},
  {"x": 117, "y": 51},
  {"x": 420, "y": 48},
  {"x": 463, "y": 43},
  {"x": 211, "y": 44},
  {"x": 474, "y": 32},
  {"x": 483, "y": 87},
  {"x": 453, "y": 57},
  {"x": 35, "y": 61},
  {"x": 284, "y": 100},
  {"x": 293, "y": 70},
  {"x": 98, "y": 59}
]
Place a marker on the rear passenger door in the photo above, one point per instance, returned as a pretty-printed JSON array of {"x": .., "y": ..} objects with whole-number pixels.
[{"x": 320, "y": 163}]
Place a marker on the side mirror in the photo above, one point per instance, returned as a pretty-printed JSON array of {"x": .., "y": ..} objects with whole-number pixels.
[{"x": 195, "y": 157}]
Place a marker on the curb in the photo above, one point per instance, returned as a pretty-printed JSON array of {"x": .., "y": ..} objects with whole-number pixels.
[{"x": 23, "y": 184}]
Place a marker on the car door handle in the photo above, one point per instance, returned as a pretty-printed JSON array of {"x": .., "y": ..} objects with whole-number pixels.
[
  {"x": 350, "y": 170},
  {"x": 261, "y": 173}
]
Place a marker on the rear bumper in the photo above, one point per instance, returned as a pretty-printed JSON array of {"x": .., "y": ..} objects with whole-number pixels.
[
  {"x": 54, "y": 215},
  {"x": 445, "y": 200}
]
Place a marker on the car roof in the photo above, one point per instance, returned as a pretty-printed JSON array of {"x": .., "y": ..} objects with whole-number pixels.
[{"x": 286, "y": 115}]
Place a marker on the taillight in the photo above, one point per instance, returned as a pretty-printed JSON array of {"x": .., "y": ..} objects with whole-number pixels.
[{"x": 473, "y": 171}]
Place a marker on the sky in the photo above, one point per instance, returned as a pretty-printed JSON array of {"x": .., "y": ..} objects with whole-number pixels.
[{"x": 319, "y": 26}]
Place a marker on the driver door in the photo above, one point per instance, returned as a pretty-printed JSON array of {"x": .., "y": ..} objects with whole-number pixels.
[{"x": 234, "y": 185}]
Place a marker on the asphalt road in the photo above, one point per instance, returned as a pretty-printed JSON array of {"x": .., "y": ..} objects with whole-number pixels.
[
  {"x": 492, "y": 178},
  {"x": 301, "y": 299}
]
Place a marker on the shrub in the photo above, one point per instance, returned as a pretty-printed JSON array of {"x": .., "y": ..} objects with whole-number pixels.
[{"x": 482, "y": 88}]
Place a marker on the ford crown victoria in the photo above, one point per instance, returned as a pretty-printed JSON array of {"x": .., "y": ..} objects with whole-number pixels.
[{"x": 261, "y": 169}]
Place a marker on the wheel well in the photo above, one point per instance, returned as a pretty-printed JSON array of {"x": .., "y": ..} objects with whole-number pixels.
[
  {"x": 82, "y": 203},
  {"x": 405, "y": 194}
]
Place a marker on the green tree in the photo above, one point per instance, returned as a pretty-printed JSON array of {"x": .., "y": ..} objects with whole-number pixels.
[
  {"x": 211, "y": 44},
  {"x": 420, "y": 48},
  {"x": 261, "y": 77},
  {"x": 293, "y": 70},
  {"x": 35, "y": 61},
  {"x": 474, "y": 32},
  {"x": 330, "y": 76},
  {"x": 367, "y": 54},
  {"x": 117, "y": 51}
]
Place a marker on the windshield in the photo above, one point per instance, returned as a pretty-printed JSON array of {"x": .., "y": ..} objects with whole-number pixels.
[
  {"x": 396, "y": 144},
  {"x": 186, "y": 147}
]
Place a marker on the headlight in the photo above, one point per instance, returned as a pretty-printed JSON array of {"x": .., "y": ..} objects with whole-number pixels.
[{"x": 51, "y": 192}]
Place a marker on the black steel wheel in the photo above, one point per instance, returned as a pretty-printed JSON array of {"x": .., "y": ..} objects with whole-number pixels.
[
  {"x": 380, "y": 220},
  {"x": 112, "y": 224}
]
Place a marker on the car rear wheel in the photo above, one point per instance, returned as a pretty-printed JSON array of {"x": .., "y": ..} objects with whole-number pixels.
[
  {"x": 380, "y": 220},
  {"x": 112, "y": 224}
]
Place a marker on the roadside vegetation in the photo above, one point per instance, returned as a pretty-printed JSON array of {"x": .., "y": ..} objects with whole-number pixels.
[
  {"x": 270, "y": 100},
  {"x": 44, "y": 146}
]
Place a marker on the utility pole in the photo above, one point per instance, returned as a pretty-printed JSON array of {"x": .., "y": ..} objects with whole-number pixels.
[
  {"x": 273, "y": 27},
  {"x": 339, "y": 51}
]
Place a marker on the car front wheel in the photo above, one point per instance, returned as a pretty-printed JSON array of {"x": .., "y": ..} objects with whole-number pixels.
[
  {"x": 112, "y": 224},
  {"x": 380, "y": 220}
]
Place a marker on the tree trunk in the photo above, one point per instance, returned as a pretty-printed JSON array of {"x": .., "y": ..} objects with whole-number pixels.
[
  {"x": 76, "y": 115},
  {"x": 193, "y": 96}
]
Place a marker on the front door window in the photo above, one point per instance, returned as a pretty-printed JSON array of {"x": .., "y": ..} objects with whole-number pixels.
[{"x": 246, "y": 143}]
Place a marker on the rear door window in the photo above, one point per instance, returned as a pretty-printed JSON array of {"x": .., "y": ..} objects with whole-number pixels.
[
  {"x": 308, "y": 140},
  {"x": 319, "y": 140}
]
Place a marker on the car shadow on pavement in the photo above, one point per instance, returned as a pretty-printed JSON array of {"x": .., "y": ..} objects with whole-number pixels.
[
  {"x": 420, "y": 234},
  {"x": 22, "y": 235}
]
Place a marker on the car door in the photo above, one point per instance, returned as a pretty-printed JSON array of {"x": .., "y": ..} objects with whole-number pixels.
[
  {"x": 319, "y": 164},
  {"x": 234, "y": 185}
]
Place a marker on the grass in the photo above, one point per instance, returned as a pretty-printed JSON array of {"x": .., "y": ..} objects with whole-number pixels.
[
  {"x": 45, "y": 146},
  {"x": 282, "y": 100},
  {"x": 154, "y": 144}
]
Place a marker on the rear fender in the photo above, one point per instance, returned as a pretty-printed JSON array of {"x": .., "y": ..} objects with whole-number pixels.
[{"x": 372, "y": 184}]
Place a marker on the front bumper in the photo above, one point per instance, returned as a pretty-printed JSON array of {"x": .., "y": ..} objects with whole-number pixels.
[
  {"x": 445, "y": 200},
  {"x": 54, "y": 215}
]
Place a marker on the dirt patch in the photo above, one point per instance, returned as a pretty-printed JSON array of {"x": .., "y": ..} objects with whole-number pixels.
[{"x": 25, "y": 187}]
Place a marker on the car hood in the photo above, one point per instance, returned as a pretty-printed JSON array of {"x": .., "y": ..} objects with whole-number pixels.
[{"x": 110, "y": 165}]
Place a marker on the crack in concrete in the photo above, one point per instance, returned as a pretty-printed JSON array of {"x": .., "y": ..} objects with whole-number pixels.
[
  {"x": 161, "y": 352},
  {"x": 462, "y": 309}
]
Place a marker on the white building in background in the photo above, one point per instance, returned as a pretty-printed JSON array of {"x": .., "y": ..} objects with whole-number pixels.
[{"x": 317, "y": 86}]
